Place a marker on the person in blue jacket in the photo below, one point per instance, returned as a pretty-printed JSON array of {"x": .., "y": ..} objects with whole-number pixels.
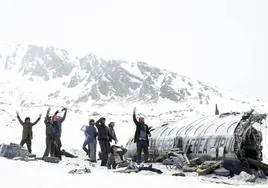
[
  {"x": 91, "y": 138},
  {"x": 85, "y": 145},
  {"x": 57, "y": 130}
]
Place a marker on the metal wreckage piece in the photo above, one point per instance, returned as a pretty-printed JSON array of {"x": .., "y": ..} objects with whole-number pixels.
[
  {"x": 16, "y": 152},
  {"x": 80, "y": 171},
  {"x": 228, "y": 141}
]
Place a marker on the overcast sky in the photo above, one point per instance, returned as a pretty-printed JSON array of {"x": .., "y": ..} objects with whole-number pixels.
[{"x": 223, "y": 43}]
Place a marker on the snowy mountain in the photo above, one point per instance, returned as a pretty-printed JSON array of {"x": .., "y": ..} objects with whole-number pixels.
[
  {"x": 101, "y": 80},
  {"x": 77, "y": 81}
]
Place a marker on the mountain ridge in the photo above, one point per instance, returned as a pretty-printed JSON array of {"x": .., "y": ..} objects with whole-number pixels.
[{"x": 75, "y": 81}]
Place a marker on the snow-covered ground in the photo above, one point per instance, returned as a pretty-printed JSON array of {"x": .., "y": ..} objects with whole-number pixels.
[{"x": 40, "y": 174}]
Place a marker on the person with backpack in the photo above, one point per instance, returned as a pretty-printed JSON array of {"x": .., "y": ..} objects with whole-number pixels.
[{"x": 27, "y": 132}]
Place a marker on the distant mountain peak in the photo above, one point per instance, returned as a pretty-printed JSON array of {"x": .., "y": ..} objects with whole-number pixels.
[{"x": 91, "y": 78}]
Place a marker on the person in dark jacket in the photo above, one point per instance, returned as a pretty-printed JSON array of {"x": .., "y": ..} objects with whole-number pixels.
[
  {"x": 50, "y": 139},
  {"x": 141, "y": 137},
  {"x": 112, "y": 132},
  {"x": 57, "y": 130},
  {"x": 91, "y": 134},
  {"x": 103, "y": 137},
  {"x": 27, "y": 132},
  {"x": 60, "y": 120}
]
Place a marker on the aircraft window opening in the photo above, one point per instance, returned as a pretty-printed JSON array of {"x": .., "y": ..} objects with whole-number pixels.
[{"x": 231, "y": 126}]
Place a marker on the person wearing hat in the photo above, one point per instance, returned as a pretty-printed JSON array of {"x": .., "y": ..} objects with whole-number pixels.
[
  {"x": 104, "y": 140},
  {"x": 27, "y": 132},
  {"x": 141, "y": 137}
]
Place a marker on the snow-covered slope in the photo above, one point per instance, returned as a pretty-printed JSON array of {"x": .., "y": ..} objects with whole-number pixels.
[
  {"x": 94, "y": 79},
  {"x": 34, "y": 76}
]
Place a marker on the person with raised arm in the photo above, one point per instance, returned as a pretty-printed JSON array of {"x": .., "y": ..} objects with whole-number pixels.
[
  {"x": 57, "y": 130},
  {"x": 141, "y": 137},
  {"x": 50, "y": 139},
  {"x": 27, "y": 132}
]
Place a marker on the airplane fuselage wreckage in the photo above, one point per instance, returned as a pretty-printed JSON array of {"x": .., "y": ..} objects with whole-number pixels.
[{"x": 229, "y": 138}]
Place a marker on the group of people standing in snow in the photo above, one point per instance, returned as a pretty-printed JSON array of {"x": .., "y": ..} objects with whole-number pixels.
[
  {"x": 94, "y": 131},
  {"x": 104, "y": 134},
  {"x": 53, "y": 132}
]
